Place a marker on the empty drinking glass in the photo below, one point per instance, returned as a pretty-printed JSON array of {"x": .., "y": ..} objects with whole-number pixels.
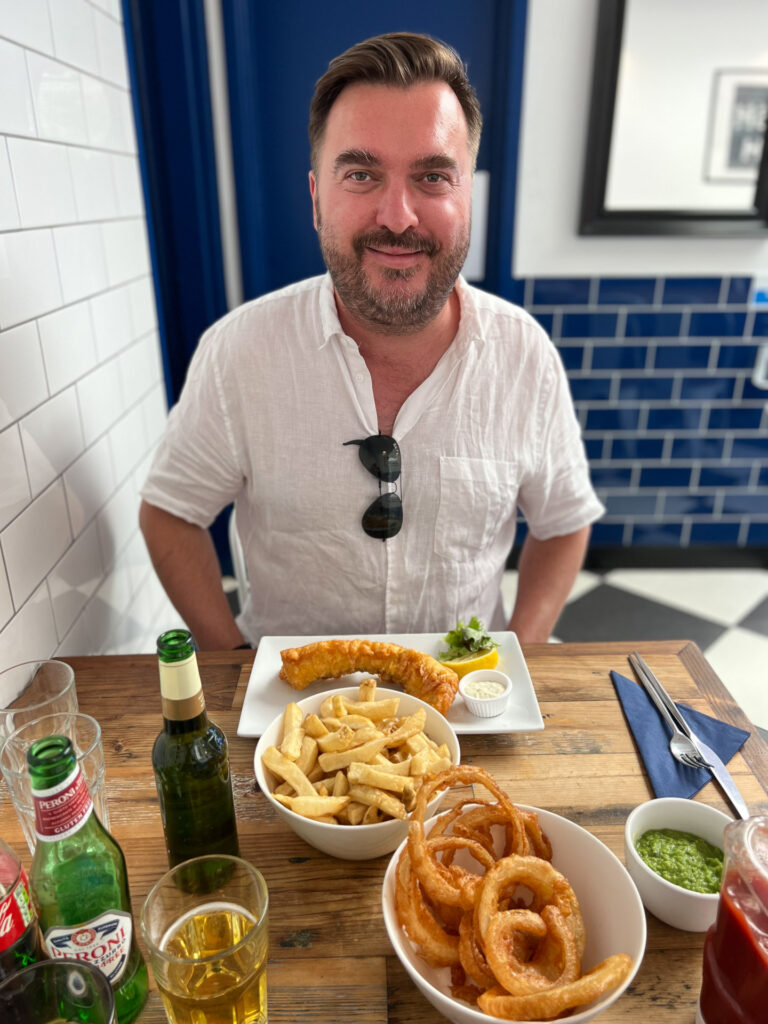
[
  {"x": 32, "y": 689},
  {"x": 53, "y": 991},
  {"x": 85, "y": 734}
]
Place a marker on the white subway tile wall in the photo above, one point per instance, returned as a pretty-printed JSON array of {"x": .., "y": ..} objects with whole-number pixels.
[{"x": 82, "y": 401}]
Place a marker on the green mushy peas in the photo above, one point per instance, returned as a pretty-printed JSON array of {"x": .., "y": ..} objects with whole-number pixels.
[{"x": 682, "y": 858}]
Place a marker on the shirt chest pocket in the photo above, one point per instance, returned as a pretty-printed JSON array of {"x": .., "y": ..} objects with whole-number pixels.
[{"x": 477, "y": 496}]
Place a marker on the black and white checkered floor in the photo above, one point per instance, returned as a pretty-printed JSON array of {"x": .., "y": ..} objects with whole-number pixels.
[{"x": 724, "y": 611}]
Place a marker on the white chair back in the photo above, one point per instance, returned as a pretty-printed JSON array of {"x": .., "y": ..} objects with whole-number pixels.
[{"x": 238, "y": 560}]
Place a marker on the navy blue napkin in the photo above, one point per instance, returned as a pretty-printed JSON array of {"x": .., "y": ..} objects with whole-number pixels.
[{"x": 669, "y": 777}]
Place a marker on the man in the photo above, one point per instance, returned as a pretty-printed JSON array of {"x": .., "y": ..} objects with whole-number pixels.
[{"x": 345, "y": 531}]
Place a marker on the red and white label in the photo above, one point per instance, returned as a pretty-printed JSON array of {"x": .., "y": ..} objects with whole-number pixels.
[
  {"x": 104, "y": 942},
  {"x": 63, "y": 809},
  {"x": 15, "y": 912}
]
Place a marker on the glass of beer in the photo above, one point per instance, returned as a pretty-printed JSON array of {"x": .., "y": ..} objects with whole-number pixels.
[
  {"x": 204, "y": 924},
  {"x": 57, "y": 992}
]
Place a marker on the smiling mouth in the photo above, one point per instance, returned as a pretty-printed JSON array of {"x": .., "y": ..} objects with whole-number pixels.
[
  {"x": 395, "y": 257},
  {"x": 398, "y": 249}
]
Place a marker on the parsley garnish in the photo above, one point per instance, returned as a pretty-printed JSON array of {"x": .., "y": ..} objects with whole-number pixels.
[{"x": 464, "y": 640}]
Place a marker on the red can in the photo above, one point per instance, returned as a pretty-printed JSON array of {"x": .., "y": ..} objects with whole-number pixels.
[{"x": 19, "y": 933}]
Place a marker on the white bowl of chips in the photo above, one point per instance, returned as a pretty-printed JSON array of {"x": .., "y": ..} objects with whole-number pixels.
[
  {"x": 614, "y": 918},
  {"x": 417, "y": 756}
]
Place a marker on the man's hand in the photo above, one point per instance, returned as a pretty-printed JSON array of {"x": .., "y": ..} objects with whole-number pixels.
[
  {"x": 546, "y": 572},
  {"x": 185, "y": 561}
]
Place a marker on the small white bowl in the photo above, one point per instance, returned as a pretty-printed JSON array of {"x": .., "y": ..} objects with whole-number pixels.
[
  {"x": 352, "y": 842},
  {"x": 681, "y": 908},
  {"x": 486, "y": 707},
  {"x": 613, "y": 918}
]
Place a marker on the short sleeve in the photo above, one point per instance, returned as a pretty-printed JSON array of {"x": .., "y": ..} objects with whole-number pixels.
[
  {"x": 558, "y": 497},
  {"x": 196, "y": 471}
]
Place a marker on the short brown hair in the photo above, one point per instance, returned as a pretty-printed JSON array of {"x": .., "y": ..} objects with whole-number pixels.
[{"x": 399, "y": 59}]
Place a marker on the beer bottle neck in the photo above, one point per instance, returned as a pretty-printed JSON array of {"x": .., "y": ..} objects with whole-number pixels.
[
  {"x": 175, "y": 727},
  {"x": 63, "y": 804},
  {"x": 50, "y": 761},
  {"x": 182, "y": 692}
]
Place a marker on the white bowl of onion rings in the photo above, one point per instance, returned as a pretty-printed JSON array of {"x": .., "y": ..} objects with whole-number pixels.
[
  {"x": 352, "y": 842},
  {"x": 613, "y": 913}
]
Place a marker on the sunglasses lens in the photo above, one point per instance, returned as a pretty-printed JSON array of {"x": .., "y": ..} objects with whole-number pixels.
[
  {"x": 380, "y": 455},
  {"x": 384, "y": 517}
]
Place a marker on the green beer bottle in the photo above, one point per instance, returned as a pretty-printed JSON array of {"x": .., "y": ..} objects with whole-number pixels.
[
  {"x": 190, "y": 760},
  {"x": 78, "y": 879}
]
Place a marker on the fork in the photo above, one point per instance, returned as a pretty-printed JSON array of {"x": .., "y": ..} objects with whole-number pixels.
[{"x": 681, "y": 745}]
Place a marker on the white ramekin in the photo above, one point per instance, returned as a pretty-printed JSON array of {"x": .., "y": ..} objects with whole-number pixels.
[{"x": 486, "y": 707}]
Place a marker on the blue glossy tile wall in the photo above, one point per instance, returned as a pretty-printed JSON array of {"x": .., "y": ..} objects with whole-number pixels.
[{"x": 674, "y": 425}]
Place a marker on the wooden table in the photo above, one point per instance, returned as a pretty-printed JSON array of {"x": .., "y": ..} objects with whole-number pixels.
[{"x": 330, "y": 958}]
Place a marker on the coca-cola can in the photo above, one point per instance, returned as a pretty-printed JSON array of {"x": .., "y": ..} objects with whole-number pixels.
[{"x": 19, "y": 933}]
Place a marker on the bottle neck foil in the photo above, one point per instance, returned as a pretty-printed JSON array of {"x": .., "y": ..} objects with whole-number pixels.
[{"x": 181, "y": 690}]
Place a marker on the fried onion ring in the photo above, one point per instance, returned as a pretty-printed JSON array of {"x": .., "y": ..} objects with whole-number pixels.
[
  {"x": 444, "y": 882},
  {"x": 540, "y": 846},
  {"x": 555, "y": 961},
  {"x": 544, "y": 881},
  {"x": 439, "y": 948},
  {"x": 471, "y": 955},
  {"x": 461, "y": 988},
  {"x": 521, "y": 935},
  {"x": 508, "y": 968},
  {"x": 477, "y": 822},
  {"x": 550, "y": 1004}
]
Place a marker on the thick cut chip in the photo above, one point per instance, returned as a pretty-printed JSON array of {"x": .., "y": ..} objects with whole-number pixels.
[{"x": 359, "y": 745}]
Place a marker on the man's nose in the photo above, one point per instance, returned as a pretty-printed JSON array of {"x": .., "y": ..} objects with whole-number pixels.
[{"x": 396, "y": 210}]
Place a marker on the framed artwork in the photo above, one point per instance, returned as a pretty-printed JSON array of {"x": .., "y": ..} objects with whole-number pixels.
[
  {"x": 739, "y": 111},
  {"x": 677, "y": 132}
]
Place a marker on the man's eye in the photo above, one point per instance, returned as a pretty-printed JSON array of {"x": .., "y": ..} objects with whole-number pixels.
[
  {"x": 359, "y": 176},
  {"x": 434, "y": 178}
]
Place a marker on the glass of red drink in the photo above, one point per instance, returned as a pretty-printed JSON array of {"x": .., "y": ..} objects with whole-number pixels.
[{"x": 734, "y": 986}]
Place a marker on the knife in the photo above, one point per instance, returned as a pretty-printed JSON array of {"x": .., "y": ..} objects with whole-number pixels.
[{"x": 719, "y": 772}]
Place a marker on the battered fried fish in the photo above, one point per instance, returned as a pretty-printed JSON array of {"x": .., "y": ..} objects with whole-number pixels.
[{"x": 418, "y": 673}]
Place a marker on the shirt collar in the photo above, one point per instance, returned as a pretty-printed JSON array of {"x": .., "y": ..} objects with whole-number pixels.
[
  {"x": 469, "y": 324},
  {"x": 470, "y": 332},
  {"x": 330, "y": 327}
]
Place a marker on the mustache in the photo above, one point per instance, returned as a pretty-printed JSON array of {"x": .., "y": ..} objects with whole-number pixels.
[{"x": 407, "y": 240}]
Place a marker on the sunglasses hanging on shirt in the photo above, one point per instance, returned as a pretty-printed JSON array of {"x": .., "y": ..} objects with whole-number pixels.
[{"x": 380, "y": 454}]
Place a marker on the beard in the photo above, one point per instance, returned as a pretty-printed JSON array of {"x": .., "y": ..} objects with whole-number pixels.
[{"x": 393, "y": 308}]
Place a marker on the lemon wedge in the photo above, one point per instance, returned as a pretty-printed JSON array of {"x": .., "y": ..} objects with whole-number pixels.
[{"x": 472, "y": 662}]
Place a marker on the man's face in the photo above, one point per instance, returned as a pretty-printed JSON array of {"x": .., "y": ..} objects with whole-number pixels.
[{"x": 392, "y": 202}]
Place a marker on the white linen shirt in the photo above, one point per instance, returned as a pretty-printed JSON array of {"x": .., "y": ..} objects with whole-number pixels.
[{"x": 274, "y": 390}]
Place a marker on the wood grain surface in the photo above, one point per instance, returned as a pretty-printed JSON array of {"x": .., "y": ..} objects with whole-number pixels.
[{"x": 330, "y": 959}]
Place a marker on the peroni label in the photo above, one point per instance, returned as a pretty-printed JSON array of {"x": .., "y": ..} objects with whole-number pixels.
[
  {"x": 104, "y": 942},
  {"x": 15, "y": 913},
  {"x": 63, "y": 809}
]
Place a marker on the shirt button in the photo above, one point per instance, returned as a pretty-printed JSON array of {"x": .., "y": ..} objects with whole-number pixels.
[{"x": 359, "y": 377}]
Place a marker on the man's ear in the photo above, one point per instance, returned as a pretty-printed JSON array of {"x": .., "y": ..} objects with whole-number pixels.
[{"x": 313, "y": 193}]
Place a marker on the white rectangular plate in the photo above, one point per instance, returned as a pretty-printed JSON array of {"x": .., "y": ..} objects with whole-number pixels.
[{"x": 267, "y": 694}]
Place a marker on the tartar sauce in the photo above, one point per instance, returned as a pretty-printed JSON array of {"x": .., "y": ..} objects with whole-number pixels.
[{"x": 484, "y": 688}]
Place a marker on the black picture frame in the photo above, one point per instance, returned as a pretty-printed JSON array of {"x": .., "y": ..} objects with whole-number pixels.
[{"x": 594, "y": 218}]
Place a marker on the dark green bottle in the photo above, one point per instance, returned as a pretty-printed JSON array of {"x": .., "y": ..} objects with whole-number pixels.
[
  {"x": 78, "y": 878},
  {"x": 190, "y": 760}
]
